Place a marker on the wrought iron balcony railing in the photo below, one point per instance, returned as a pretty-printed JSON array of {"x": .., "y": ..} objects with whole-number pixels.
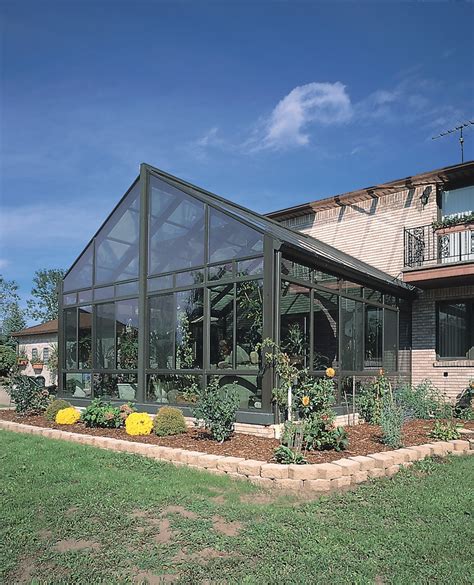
[{"x": 427, "y": 246}]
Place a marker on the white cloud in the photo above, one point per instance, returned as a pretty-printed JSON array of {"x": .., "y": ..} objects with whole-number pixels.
[
  {"x": 305, "y": 105},
  {"x": 4, "y": 263}
]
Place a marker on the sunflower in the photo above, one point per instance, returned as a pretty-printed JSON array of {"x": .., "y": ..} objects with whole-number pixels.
[
  {"x": 330, "y": 372},
  {"x": 305, "y": 401}
]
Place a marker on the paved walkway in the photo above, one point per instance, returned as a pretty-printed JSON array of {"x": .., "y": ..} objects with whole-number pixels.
[{"x": 4, "y": 397}]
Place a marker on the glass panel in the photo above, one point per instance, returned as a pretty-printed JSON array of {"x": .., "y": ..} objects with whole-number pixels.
[
  {"x": 104, "y": 293},
  {"x": 351, "y": 331},
  {"x": 80, "y": 275},
  {"x": 229, "y": 238},
  {"x": 126, "y": 316},
  {"x": 176, "y": 229},
  {"x": 173, "y": 388},
  {"x": 221, "y": 271},
  {"x": 70, "y": 337},
  {"x": 78, "y": 385},
  {"x": 250, "y": 267},
  {"x": 326, "y": 280},
  {"x": 295, "y": 322},
  {"x": 189, "y": 328},
  {"x": 117, "y": 242},
  {"x": 128, "y": 288},
  {"x": 161, "y": 327},
  {"x": 85, "y": 338},
  {"x": 390, "y": 300},
  {"x": 84, "y": 296},
  {"x": 352, "y": 288},
  {"x": 160, "y": 283},
  {"x": 70, "y": 299},
  {"x": 249, "y": 323},
  {"x": 458, "y": 201},
  {"x": 454, "y": 330},
  {"x": 326, "y": 316},
  {"x": 116, "y": 386},
  {"x": 373, "y": 336},
  {"x": 390, "y": 340},
  {"x": 373, "y": 295},
  {"x": 222, "y": 326},
  {"x": 290, "y": 268},
  {"x": 105, "y": 336},
  {"x": 248, "y": 389},
  {"x": 191, "y": 277}
]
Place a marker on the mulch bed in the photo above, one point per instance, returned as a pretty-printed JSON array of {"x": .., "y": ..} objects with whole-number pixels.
[{"x": 363, "y": 439}]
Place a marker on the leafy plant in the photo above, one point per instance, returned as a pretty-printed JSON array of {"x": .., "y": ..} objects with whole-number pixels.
[
  {"x": 445, "y": 431},
  {"x": 28, "y": 396},
  {"x": 286, "y": 456},
  {"x": 7, "y": 359},
  {"x": 423, "y": 401},
  {"x": 392, "y": 418},
  {"x": 169, "y": 421},
  {"x": 216, "y": 410},
  {"x": 54, "y": 407},
  {"x": 465, "y": 402},
  {"x": 457, "y": 219},
  {"x": 321, "y": 434},
  {"x": 370, "y": 398},
  {"x": 102, "y": 414}
]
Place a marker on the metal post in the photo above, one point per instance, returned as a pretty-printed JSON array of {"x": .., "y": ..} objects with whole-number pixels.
[{"x": 142, "y": 285}]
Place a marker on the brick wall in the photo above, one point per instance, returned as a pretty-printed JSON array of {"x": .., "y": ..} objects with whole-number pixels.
[{"x": 372, "y": 230}]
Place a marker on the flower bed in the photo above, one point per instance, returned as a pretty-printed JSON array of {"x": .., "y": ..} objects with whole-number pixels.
[{"x": 363, "y": 439}]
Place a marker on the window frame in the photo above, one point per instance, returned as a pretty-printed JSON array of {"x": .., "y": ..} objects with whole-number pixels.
[{"x": 469, "y": 329}]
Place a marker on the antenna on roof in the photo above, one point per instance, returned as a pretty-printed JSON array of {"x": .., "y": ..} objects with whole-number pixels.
[{"x": 461, "y": 137}]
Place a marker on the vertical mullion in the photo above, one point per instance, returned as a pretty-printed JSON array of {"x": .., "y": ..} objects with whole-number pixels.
[
  {"x": 142, "y": 283},
  {"x": 311, "y": 329},
  {"x": 61, "y": 338},
  {"x": 234, "y": 326}
]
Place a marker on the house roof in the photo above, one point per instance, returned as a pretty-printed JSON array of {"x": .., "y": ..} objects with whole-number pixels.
[
  {"x": 296, "y": 243},
  {"x": 42, "y": 329},
  {"x": 443, "y": 176}
]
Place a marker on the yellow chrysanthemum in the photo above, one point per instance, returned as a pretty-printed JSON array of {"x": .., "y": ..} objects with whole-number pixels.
[
  {"x": 68, "y": 416},
  {"x": 305, "y": 400},
  {"x": 139, "y": 423},
  {"x": 330, "y": 372}
]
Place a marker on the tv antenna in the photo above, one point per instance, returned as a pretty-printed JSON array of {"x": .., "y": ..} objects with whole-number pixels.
[{"x": 461, "y": 137}]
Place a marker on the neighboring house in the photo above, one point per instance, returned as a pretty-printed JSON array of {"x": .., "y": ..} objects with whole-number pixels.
[
  {"x": 390, "y": 227},
  {"x": 39, "y": 343}
]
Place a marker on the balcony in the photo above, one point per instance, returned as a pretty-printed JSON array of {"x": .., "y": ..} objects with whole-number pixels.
[{"x": 439, "y": 257}]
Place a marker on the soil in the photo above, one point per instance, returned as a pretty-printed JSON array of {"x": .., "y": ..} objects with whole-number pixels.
[
  {"x": 363, "y": 439},
  {"x": 73, "y": 544},
  {"x": 226, "y": 528}
]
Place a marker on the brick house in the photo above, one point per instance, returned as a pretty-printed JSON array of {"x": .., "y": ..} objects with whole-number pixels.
[
  {"x": 40, "y": 342},
  {"x": 391, "y": 226}
]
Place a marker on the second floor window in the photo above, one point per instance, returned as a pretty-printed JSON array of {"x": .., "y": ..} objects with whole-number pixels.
[
  {"x": 457, "y": 201},
  {"x": 34, "y": 353},
  {"x": 45, "y": 355},
  {"x": 455, "y": 331}
]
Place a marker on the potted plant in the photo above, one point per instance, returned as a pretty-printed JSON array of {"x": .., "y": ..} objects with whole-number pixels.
[
  {"x": 22, "y": 359},
  {"x": 450, "y": 225},
  {"x": 37, "y": 363}
]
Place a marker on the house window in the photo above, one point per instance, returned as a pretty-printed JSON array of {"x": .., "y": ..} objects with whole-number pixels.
[
  {"x": 457, "y": 202},
  {"x": 455, "y": 331},
  {"x": 45, "y": 355},
  {"x": 34, "y": 353}
]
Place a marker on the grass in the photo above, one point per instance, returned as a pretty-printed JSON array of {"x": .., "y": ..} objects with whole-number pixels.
[{"x": 413, "y": 528}]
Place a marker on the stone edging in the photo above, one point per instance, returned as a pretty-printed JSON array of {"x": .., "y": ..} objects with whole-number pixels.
[{"x": 319, "y": 477}]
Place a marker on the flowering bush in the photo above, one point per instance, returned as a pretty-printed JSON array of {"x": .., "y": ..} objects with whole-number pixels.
[
  {"x": 28, "y": 396},
  {"x": 139, "y": 423},
  {"x": 68, "y": 416}
]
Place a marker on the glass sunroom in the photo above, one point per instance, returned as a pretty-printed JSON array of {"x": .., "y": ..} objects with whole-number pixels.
[{"x": 180, "y": 285}]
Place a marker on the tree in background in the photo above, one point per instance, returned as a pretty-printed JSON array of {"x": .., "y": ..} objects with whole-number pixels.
[
  {"x": 44, "y": 304},
  {"x": 12, "y": 317}
]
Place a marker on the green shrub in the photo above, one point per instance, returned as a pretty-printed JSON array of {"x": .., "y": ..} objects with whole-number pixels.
[
  {"x": 103, "y": 415},
  {"x": 7, "y": 359},
  {"x": 445, "y": 431},
  {"x": 54, "y": 407},
  {"x": 286, "y": 456},
  {"x": 464, "y": 404},
  {"x": 169, "y": 421},
  {"x": 424, "y": 401},
  {"x": 28, "y": 396},
  {"x": 216, "y": 410},
  {"x": 392, "y": 418},
  {"x": 370, "y": 398},
  {"x": 319, "y": 433}
]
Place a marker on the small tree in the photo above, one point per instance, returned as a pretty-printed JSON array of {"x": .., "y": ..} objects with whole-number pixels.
[
  {"x": 7, "y": 359},
  {"x": 44, "y": 304},
  {"x": 216, "y": 410},
  {"x": 12, "y": 317}
]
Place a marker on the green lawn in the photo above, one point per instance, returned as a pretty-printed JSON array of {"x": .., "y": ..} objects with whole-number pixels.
[{"x": 126, "y": 516}]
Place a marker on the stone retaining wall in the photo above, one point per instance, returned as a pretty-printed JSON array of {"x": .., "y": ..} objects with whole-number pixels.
[{"x": 320, "y": 478}]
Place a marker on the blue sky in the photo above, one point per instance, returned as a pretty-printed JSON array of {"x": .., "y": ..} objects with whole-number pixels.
[{"x": 270, "y": 104}]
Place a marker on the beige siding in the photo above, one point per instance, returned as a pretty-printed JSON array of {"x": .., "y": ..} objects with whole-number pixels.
[{"x": 40, "y": 342}]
